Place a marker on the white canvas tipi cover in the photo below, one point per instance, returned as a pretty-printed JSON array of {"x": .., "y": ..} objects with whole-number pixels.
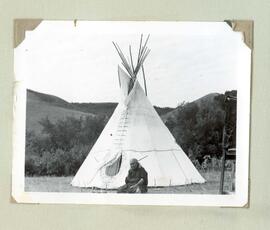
[{"x": 135, "y": 130}]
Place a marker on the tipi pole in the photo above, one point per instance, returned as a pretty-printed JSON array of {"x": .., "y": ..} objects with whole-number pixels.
[
  {"x": 143, "y": 158},
  {"x": 139, "y": 53},
  {"x": 144, "y": 81},
  {"x": 131, "y": 60}
]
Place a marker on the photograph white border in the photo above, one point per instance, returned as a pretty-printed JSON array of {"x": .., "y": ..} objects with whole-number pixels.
[{"x": 238, "y": 199}]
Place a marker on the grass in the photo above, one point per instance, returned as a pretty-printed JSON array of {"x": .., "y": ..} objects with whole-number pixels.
[{"x": 62, "y": 184}]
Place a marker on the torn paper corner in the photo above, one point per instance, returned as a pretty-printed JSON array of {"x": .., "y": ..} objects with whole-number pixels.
[
  {"x": 22, "y": 25},
  {"x": 244, "y": 26}
]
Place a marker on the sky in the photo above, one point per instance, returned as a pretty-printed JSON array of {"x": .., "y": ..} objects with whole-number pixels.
[{"x": 79, "y": 63}]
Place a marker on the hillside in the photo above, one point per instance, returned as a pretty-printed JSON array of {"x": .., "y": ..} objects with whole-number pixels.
[
  {"x": 42, "y": 97},
  {"x": 41, "y": 105},
  {"x": 203, "y": 102}
]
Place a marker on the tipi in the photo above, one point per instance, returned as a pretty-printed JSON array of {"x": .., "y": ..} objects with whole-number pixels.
[{"x": 135, "y": 130}]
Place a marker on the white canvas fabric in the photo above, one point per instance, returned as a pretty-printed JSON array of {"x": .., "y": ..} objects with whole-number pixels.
[{"x": 135, "y": 130}]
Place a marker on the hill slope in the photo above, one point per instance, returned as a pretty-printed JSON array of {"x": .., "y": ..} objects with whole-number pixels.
[
  {"x": 206, "y": 101},
  {"x": 41, "y": 105}
]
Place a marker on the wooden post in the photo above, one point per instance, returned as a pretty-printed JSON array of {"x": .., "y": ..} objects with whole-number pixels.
[
  {"x": 233, "y": 177},
  {"x": 223, "y": 162},
  {"x": 224, "y": 143}
]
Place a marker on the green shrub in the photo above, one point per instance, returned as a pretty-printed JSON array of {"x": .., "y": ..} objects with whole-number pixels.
[{"x": 62, "y": 147}]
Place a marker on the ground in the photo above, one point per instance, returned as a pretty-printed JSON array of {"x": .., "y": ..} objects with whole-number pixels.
[{"x": 62, "y": 184}]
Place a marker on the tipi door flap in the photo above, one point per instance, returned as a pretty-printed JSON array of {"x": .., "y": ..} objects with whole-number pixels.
[{"x": 113, "y": 168}]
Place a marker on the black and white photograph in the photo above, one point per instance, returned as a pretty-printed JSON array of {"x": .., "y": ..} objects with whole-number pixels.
[{"x": 139, "y": 113}]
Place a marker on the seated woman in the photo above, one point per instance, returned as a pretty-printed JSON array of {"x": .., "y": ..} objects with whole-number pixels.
[{"x": 136, "y": 180}]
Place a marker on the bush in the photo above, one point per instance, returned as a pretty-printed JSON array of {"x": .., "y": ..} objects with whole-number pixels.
[
  {"x": 198, "y": 127},
  {"x": 62, "y": 147}
]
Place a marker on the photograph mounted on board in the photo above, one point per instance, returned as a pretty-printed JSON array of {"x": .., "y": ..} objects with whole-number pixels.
[{"x": 142, "y": 113}]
